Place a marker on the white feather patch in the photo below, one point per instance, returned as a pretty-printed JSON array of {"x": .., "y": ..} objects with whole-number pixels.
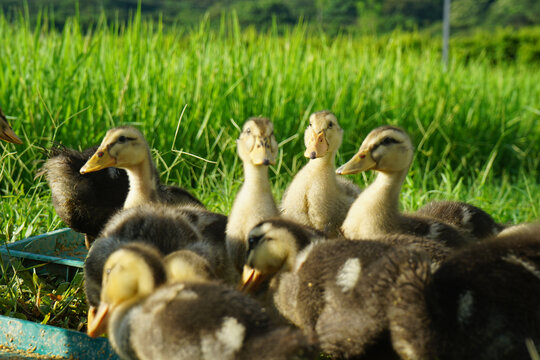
[
  {"x": 225, "y": 343},
  {"x": 348, "y": 274},
  {"x": 465, "y": 307}
]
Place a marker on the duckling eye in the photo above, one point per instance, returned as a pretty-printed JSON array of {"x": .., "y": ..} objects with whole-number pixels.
[
  {"x": 248, "y": 131},
  {"x": 388, "y": 140},
  {"x": 122, "y": 139},
  {"x": 330, "y": 125}
]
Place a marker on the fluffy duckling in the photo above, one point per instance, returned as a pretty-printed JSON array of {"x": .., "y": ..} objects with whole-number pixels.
[
  {"x": 165, "y": 227},
  {"x": 389, "y": 151},
  {"x": 316, "y": 197},
  {"x": 147, "y": 319},
  {"x": 462, "y": 215},
  {"x": 257, "y": 148},
  {"x": 6, "y": 132},
  {"x": 482, "y": 303},
  {"x": 84, "y": 202},
  {"x": 313, "y": 278},
  {"x": 126, "y": 148}
]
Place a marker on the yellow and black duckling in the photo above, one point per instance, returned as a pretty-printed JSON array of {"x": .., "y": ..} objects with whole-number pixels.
[
  {"x": 482, "y": 303},
  {"x": 389, "y": 151},
  {"x": 148, "y": 319},
  {"x": 257, "y": 148},
  {"x": 316, "y": 197},
  {"x": 313, "y": 278},
  {"x": 464, "y": 216},
  {"x": 6, "y": 132},
  {"x": 84, "y": 202},
  {"x": 126, "y": 148}
]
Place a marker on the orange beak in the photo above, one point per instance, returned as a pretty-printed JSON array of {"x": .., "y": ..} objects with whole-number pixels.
[
  {"x": 98, "y": 320},
  {"x": 100, "y": 160},
  {"x": 317, "y": 147},
  {"x": 251, "y": 278},
  {"x": 262, "y": 155},
  {"x": 9, "y": 135},
  {"x": 360, "y": 162}
]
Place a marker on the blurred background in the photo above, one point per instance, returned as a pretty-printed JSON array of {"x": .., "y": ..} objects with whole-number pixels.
[{"x": 332, "y": 15}]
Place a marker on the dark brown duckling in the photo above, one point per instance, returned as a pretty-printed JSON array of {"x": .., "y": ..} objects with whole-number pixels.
[{"x": 84, "y": 202}]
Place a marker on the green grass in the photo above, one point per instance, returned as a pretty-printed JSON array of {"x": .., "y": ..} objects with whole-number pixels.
[{"x": 476, "y": 126}]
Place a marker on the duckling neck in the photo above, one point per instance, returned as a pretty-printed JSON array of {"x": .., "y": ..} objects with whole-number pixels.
[
  {"x": 376, "y": 210},
  {"x": 256, "y": 178},
  {"x": 143, "y": 182}
]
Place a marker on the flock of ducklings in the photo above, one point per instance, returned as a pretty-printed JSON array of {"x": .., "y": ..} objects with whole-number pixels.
[{"x": 334, "y": 269}]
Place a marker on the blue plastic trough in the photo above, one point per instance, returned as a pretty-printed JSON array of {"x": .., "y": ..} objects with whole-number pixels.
[
  {"x": 50, "y": 341},
  {"x": 63, "y": 253}
]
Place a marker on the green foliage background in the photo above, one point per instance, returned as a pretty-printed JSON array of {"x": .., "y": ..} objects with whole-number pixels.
[{"x": 475, "y": 124}]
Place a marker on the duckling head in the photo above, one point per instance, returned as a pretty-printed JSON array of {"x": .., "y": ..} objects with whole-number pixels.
[
  {"x": 385, "y": 149},
  {"x": 129, "y": 274},
  {"x": 187, "y": 266},
  {"x": 272, "y": 247},
  {"x": 257, "y": 143},
  {"x": 123, "y": 147},
  {"x": 323, "y": 135},
  {"x": 6, "y": 132}
]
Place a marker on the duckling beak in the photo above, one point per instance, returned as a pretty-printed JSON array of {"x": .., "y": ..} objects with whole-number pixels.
[
  {"x": 98, "y": 320},
  {"x": 100, "y": 160},
  {"x": 318, "y": 146},
  {"x": 9, "y": 135},
  {"x": 261, "y": 154},
  {"x": 251, "y": 278},
  {"x": 362, "y": 161}
]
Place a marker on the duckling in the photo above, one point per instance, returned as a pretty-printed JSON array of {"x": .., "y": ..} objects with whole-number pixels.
[
  {"x": 6, "y": 132},
  {"x": 482, "y": 303},
  {"x": 389, "y": 151},
  {"x": 257, "y": 148},
  {"x": 126, "y": 148},
  {"x": 312, "y": 274},
  {"x": 84, "y": 202},
  {"x": 148, "y": 319},
  {"x": 317, "y": 197},
  {"x": 165, "y": 227},
  {"x": 463, "y": 215},
  {"x": 187, "y": 265}
]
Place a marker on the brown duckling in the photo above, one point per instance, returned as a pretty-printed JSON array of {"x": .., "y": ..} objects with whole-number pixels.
[
  {"x": 148, "y": 319},
  {"x": 313, "y": 277},
  {"x": 482, "y": 303},
  {"x": 257, "y": 148},
  {"x": 464, "y": 216},
  {"x": 316, "y": 197},
  {"x": 6, "y": 132},
  {"x": 389, "y": 151}
]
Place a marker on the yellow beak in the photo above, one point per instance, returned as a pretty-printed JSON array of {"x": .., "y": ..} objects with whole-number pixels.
[
  {"x": 362, "y": 161},
  {"x": 100, "y": 160},
  {"x": 98, "y": 320},
  {"x": 261, "y": 154},
  {"x": 251, "y": 278},
  {"x": 318, "y": 146},
  {"x": 9, "y": 135}
]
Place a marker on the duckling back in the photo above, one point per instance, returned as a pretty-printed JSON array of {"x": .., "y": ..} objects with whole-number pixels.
[
  {"x": 483, "y": 301},
  {"x": 202, "y": 321},
  {"x": 84, "y": 202}
]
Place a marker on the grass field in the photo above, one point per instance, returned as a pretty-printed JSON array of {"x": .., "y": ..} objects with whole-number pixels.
[{"x": 476, "y": 126}]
